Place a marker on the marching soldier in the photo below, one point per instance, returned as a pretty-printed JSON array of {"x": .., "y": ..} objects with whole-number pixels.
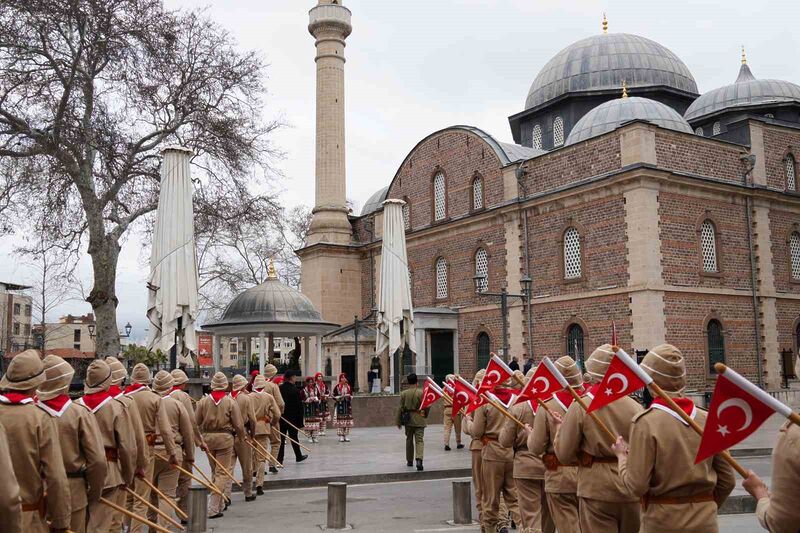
[
  {"x": 779, "y": 512},
  {"x": 220, "y": 422},
  {"x": 475, "y": 447},
  {"x": 179, "y": 393},
  {"x": 528, "y": 471},
  {"x": 10, "y": 508},
  {"x": 605, "y": 504},
  {"x": 119, "y": 444},
  {"x": 242, "y": 450},
  {"x": 35, "y": 454},
  {"x": 179, "y": 450},
  {"x": 409, "y": 416},
  {"x": 560, "y": 480},
  {"x": 451, "y": 421},
  {"x": 272, "y": 388},
  {"x": 78, "y": 437},
  {"x": 677, "y": 494},
  {"x": 266, "y": 411}
]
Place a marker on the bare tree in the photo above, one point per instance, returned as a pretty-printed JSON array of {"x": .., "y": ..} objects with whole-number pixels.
[{"x": 90, "y": 90}]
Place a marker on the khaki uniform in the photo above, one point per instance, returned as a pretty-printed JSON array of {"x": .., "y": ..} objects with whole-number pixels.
[
  {"x": 266, "y": 411},
  {"x": 184, "y": 481},
  {"x": 165, "y": 477},
  {"x": 84, "y": 458},
  {"x": 528, "y": 473},
  {"x": 275, "y": 438},
  {"x": 120, "y": 449},
  {"x": 780, "y": 513},
  {"x": 133, "y": 423},
  {"x": 10, "y": 508},
  {"x": 560, "y": 481},
  {"x": 605, "y": 503},
  {"x": 497, "y": 465},
  {"x": 475, "y": 449},
  {"x": 660, "y": 466},
  {"x": 242, "y": 450},
  {"x": 410, "y": 400},
  {"x": 221, "y": 425},
  {"x": 451, "y": 422}
]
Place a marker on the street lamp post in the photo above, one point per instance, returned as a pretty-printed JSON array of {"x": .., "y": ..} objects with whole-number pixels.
[{"x": 480, "y": 287}]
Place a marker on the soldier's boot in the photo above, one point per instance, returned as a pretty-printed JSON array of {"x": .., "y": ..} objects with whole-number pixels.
[{"x": 419, "y": 465}]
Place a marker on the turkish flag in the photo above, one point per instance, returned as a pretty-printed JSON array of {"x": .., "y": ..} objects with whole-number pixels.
[
  {"x": 431, "y": 393},
  {"x": 542, "y": 385},
  {"x": 464, "y": 394},
  {"x": 496, "y": 373},
  {"x": 478, "y": 401},
  {"x": 622, "y": 378},
  {"x": 448, "y": 389},
  {"x": 737, "y": 410}
]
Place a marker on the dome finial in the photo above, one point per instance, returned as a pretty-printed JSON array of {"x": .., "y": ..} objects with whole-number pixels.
[
  {"x": 271, "y": 272},
  {"x": 744, "y": 57},
  {"x": 605, "y": 23},
  {"x": 624, "y": 89}
]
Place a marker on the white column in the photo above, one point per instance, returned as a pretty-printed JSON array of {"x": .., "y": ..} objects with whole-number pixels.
[
  {"x": 422, "y": 353},
  {"x": 391, "y": 372},
  {"x": 319, "y": 355},
  {"x": 217, "y": 352},
  {"x": 261, "y": 351}
]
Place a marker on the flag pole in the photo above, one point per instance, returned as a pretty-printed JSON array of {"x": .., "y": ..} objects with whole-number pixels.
[
  {"x": 504, "y": 411},
  {"x": 592, "y": 415}
]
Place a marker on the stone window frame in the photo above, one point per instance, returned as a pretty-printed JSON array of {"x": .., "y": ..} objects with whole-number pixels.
[
  {"x": 713, "y": 315},
  {"x": 571, "y": 223},
  {"x": 436, "y": 171},
  {"x": 795, "y": 228},
  {"x": 481, "y": 331},
  {"x": 789, "y": 153},
  {"x": 481, "y": 246},
  {"x": 436, "y": 279},
  {"x": 707, "y": 216},
  {"x": 477, "y": 176},
  {"x": 795, "y": 339},
  {"x": 410, "y": 219}
]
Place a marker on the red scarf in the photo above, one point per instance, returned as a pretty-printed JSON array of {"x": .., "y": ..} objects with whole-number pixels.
[
  {"x": 95, "y": 399},
  {"x": 564, "y": 398},
  {"x": 235, "y": 393},
  {"x": 217, "y": 396},
  {"x": 504, "y": 395},
  {"x": 174, "y": 388},
  {"x": 114, "y": 390},
  {"x": 134, "y": 387},
  {"x": 15, "y": 398},
  {"x": 686, "y": 405},
  {"x": 593, "y": 390},
  {"x": 55, "y": 405}
]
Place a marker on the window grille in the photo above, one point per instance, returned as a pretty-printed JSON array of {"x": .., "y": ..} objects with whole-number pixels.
[
  {"x": 716, "y": 345},
  {"x": 482, "y": 269},
  {"x": 477, "y": 193},
  {"x": 558, "y": 131},
  {"x": 439, "y": 197},
  {"x": 572, "y": 254},
  {"x": 698, "y": 131},
  {"x": 794, "y": 251},
  {"x": 537, "y": 137},
  {"x": 769, "y": 115},
  {"x": 483, "y": 350},
  {"x": 708, "y": 242},
  {"x": 441, "y": 278},
  {"x": 407, "y": 216},
  {"x": 575, "y": 344},
  {"x": 716, "y": 128},
  {"x": 791, "y": 179}
]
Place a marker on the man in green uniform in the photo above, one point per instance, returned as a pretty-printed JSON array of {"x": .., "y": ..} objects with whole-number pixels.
[{"x": 413, "y": 419}]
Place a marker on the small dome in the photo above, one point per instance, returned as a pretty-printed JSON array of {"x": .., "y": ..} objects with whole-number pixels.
[
  {"x": 374, "y": 201},
  {"x": 746, "y": 91},
  {"x": 603, "y": 61},
  {"x": 612, "y": 114}
]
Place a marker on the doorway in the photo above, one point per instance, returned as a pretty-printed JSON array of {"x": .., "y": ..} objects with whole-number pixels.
[
  {"x": 441, "y": 354},
  {"x": 348, "y": 368}
]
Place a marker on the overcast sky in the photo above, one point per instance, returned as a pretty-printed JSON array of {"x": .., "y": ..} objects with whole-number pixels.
[{"x": 416, "y": 66}]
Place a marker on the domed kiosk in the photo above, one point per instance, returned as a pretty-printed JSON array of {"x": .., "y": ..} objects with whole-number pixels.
[{"x": 270, "y": 309}]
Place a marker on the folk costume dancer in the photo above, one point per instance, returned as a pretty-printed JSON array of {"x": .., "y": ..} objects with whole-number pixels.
[
  {"x": 343, "y": 398},
  {"x": 605, "y": 504},
  {"x": 323, "y": 393},
  {"x": 266, "y": 410},
  {"x": 35, "y": 454},
  {"x": 560, "y": 480},
  {"x": 270, "y": 371},
  {"x": 154, "y": 422},
  {"x": 310, "y": 399},
  {"x": 179, "y": 393},
  {"x": 658, "y": 466},
  {"x": 179, "y": 450},
  {"x": 78, "y": 437},
  {"x": 451, "y": 421},
  {"x": 220, "y": 422},
  {"x": 10, "y": 507},
  {"x": 528, "y": 470},
  {"x": 118, "y": 441},
  {"x": 242, "y": 451}
]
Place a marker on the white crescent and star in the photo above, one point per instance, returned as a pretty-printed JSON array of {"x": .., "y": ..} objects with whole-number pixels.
[
  {"x": 546, "y": 383},
  {"x": 463, "y": 394},
  {"x": 741, "y": 404},
  {"x": 495, "y": 373},
  {"x": 622, "y": 379}
]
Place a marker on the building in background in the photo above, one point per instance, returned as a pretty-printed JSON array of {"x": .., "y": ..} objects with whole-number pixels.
[
  {"x": 16, "y": 310},
  {"x": 70, "y": 332}
]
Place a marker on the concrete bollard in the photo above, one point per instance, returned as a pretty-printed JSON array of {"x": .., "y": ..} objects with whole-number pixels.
[
  {"x": 197, "y": 509},
  {"x": 337, "y": 505},
  {"x": 462, "y": 502}
]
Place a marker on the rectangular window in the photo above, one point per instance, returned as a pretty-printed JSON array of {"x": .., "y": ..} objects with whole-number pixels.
[
  {"x": 17, "y": 309},
  {"x": 76, "y": 346},
  {"x": 28, "y": 310},
  {"x": 16, "y": 328},
  {"x": 234, "y": 347},
  {"x": 76, "y": 336}
]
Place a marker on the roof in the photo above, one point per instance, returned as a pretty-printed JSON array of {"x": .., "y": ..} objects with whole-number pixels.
[
  {"x": 374, "y": 202},
  {"x": 612, "y": 114},
  {"x": 14, "y": 286},
  {"x": 746, "y": 91},
  {"x": 602, "y": 62}
]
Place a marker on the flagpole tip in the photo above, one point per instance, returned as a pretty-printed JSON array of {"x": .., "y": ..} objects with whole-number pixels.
[{"x": 720, "y": 368}]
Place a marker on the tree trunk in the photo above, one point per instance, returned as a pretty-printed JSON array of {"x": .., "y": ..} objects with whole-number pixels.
[{"x": 103, "y": 297}]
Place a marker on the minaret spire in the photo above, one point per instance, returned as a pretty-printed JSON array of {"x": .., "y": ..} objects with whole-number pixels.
[
  {"x": 744, "y": 57},
  {"x": 605, "y": 23}
]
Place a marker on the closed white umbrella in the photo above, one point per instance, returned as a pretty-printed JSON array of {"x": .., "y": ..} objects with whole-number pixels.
[
  {"x": 394, "y": 300},
  {"x": 172, "y": 286}
]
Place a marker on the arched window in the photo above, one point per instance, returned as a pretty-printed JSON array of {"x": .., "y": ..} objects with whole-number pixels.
[
  {"x": 716, "y": 344},
  {"x": 483, "y": 349},
  {"x": 794, "y": 254},
  {"x": 407, "y": 215},
  {"x": 537, "y": 137},
  {"x": 698, "y": 131},
  {"x": 791, "y": 173},
  {"x": 575, "y": 344},
  {"x": 441, "y": 278},
  {"x": 708, "y": 245},
  {"x": 558, "y": 131},
  {"x": 716, "y": 129},
  {"x": 769, "y": 115},
  {"x": 439, "y": 197},
  {"x": 477, "y": 193},
  {"x": 572, "y": 254},
  {"x": 482, "y": 269}
]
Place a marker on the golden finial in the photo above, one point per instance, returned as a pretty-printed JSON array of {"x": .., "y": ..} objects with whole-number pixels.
[
  {"x": 624, "y": 89},
  {"x": 605, "y": 23},
  {"x": 271, "y": 272},
  {"x": 744, "y": 57}
]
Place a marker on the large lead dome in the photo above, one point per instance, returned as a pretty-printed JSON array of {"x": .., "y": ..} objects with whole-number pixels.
[{"x": 602, "y": 62}]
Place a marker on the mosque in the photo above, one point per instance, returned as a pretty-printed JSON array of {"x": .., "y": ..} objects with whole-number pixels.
[{"x": 628, "y": 196}]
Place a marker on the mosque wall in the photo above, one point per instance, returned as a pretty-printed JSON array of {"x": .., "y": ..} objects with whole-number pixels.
[
  {"x": 778, "y": 143},
  {"x": 693, "y": 154}
]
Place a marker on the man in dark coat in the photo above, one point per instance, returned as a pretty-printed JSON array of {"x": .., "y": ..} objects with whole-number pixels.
[{"x": 293, "y": 414}]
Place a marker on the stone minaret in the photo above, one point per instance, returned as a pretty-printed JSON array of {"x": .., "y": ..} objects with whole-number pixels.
[{"x": 329, "y": 23}]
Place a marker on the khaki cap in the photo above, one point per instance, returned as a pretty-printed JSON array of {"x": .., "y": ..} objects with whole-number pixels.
[
  {"x": 598, "y": 362},
  {"x": 259, "y": 383},
  {"x": 98, "y": 377},
  {"x": 479, "y": 376},
  {"x": 665, "y": 364},
  {"x": 141, "y": 374},
  {"x": 58, "y": 375},
  {"x": 118, "y": 371},
  {"x": 163, "y": 382},
  {"x": 25, "y": 372},
  {"x": 179, "y": 376},
  {"x": 569, "y": 369},
  {"x": 239, "y": 382},
  {"x": 270, "y": 371},
  {"x": 219, "y": 381}
]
